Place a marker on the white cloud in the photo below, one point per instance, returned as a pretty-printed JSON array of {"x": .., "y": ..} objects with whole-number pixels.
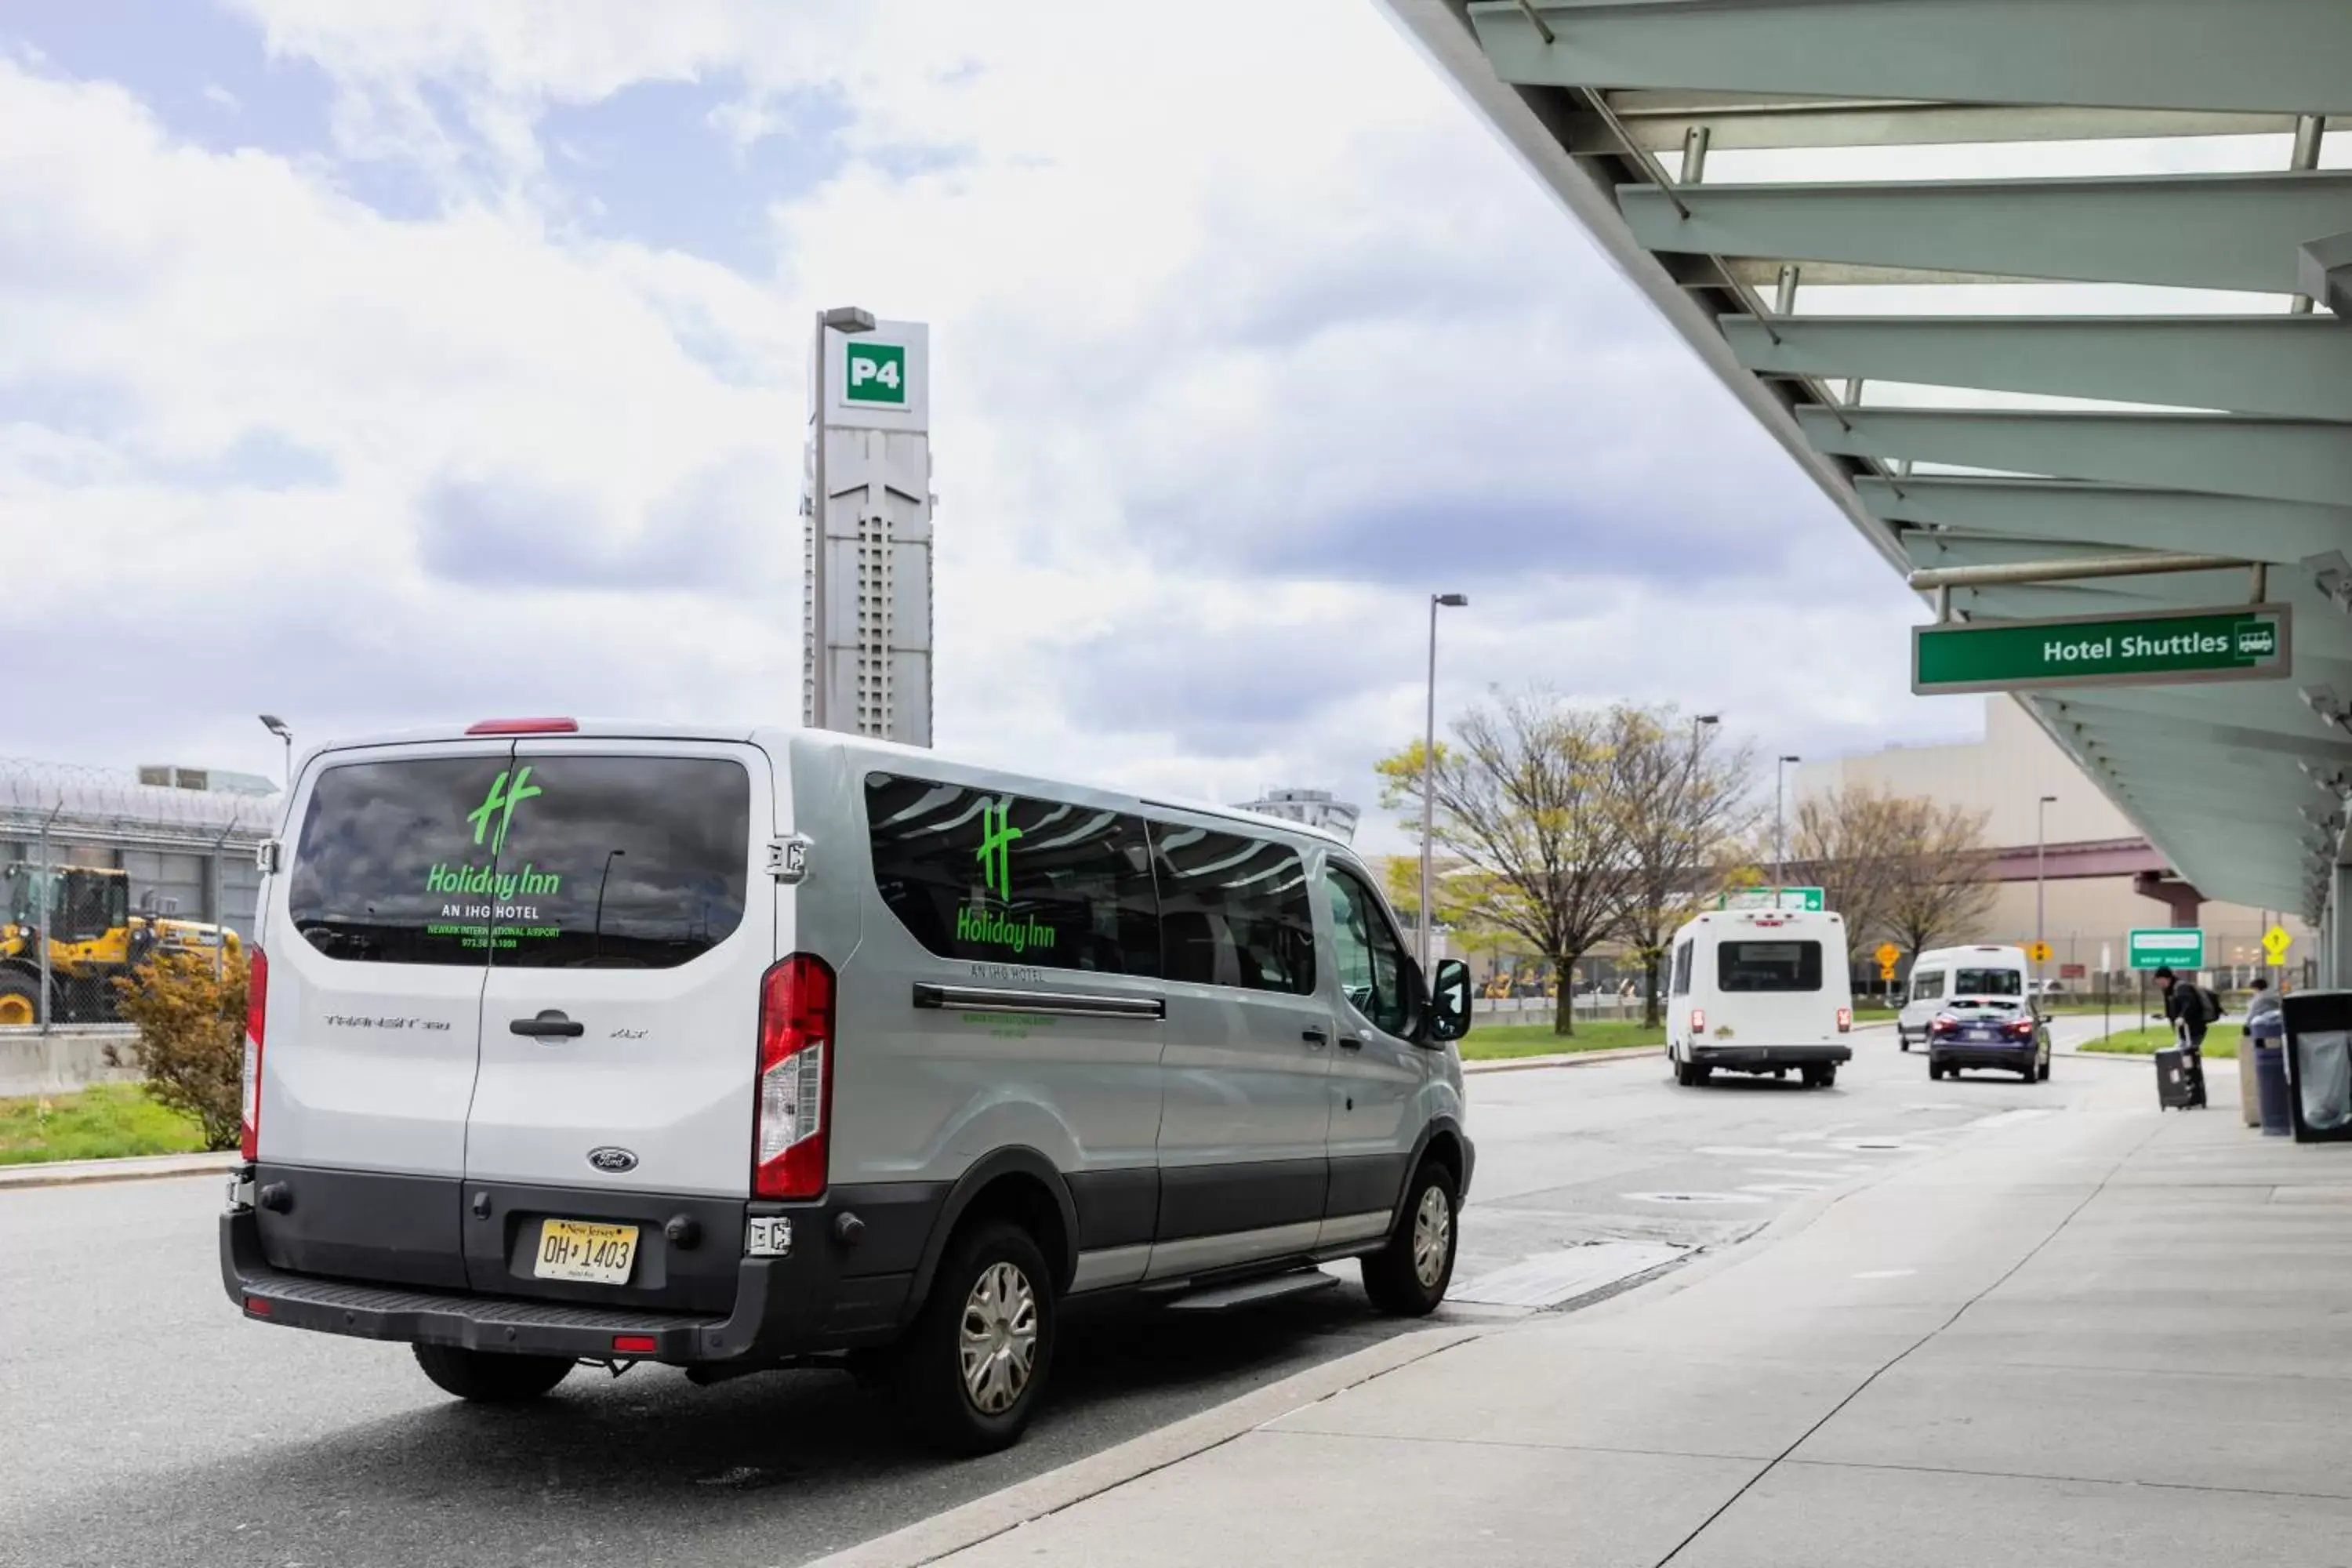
[{"x": 1245, "y": 333}]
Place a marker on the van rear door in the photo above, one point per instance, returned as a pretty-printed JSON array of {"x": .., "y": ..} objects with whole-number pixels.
[
  {"x": 374, "y": 1012},
  {"x": 632, "y": 919}
]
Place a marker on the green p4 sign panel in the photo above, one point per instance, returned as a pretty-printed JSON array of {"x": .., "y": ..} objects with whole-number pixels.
[
  {"x": 878, "y": 373},
  {"x": 2158, "y": 648},
  {"x": 2166, "y": 947}
]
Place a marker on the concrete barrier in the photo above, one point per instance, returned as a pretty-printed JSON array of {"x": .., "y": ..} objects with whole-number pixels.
[{"x": 62, "y": 1061}]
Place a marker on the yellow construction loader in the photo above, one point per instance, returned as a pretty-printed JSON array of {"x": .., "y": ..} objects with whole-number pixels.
[{"x": 84, "y": 914}]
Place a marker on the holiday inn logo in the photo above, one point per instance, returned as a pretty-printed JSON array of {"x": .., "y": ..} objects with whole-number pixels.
[
  {"x": 976, "y": 922},
  {"x": 995, "y": 853},
  {"x": 503, "y": 801},
  {"x": 491, "y": 819}
]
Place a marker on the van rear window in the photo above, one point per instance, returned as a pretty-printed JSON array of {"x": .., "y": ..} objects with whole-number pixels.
[
  {"x": 1769, "y": 966},
  {"x": 1989, "y": 983},
  {"x": 536, "y": 862}
]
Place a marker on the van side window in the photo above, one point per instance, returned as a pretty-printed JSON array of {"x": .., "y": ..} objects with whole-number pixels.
[
  {"x": 1371, "y": 960},
  {"x": 1928, "y": 985},
  {"x": 1233, "y": 911},
  {"x": 1680, "y": 985},
  {"x": 975, "y": 874}
]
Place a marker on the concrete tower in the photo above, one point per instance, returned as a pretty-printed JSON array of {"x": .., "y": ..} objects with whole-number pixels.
[{"x": 876, "y": 662}]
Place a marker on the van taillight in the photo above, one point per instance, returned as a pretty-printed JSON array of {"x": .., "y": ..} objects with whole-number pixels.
[
  {"x": 795, "y": 1093},
  {"x": 1698, "y": 1020},
  {"x": 257, "y": 1026},
  {"x": 1845, "y": 1019}
]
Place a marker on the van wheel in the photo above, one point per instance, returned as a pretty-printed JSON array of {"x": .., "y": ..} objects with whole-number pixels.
[
  {"x": 1821, "y": 1076},
  {"x": 971, "y": 1369},
  {"x": 1902, "y": 1040},
  {"x": 489, "y": 1377},
  {"x": 1407, "y": 1278}
]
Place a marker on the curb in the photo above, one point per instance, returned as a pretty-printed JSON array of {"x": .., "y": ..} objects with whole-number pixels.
[
  {"x": 1563, "y": 1060},
  {"x": 135, "y": 1168},
  {"x": 983, "y": 1518}
]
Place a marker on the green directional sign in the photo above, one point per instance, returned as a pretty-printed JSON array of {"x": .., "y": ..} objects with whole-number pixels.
[
  {"x": 2166, "y": 947},
  {"x": 2157, "y": 648},
  {"x": 1764, "y": 899}
]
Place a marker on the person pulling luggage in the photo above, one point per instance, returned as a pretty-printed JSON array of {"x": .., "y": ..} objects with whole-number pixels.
[{"x": 2190, "y": 1008}]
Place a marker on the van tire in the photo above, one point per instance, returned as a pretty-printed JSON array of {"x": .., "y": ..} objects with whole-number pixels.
[
  {"x": 1902, "y": 1040},
  {"x": 1402, "y": 1278},
  {"x": 491, "y": 1377},
  {"x": 1821, "y": 1076},
  {"x": 928, "y": 1375}
]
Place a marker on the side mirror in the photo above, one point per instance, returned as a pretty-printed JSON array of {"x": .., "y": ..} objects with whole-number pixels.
[{"x": 1449, "y": 1001}]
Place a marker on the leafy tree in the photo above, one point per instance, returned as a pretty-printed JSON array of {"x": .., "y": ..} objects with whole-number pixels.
[
  {"x": 1522, "y": 798},
  {"x": 1857, "y": 842},
  {"x": 1682, "y": 795},
  {"x": 191, "y": 1045},
  {"x": 1946, "y": 887}
]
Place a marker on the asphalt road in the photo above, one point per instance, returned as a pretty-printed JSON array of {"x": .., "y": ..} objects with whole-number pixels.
[{"x": 146, "y": 1423}]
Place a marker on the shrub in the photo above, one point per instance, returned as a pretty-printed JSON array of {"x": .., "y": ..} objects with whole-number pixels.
[{"x": 191, "y": 1047}]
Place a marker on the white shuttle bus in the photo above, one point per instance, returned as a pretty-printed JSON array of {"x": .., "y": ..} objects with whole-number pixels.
[{"x": 1759, "y": 990}]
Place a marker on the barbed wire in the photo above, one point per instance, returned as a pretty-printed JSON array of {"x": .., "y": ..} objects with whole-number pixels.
[{"x": 79, "y": 801}]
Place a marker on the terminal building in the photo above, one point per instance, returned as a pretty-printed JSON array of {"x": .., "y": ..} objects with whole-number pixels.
[
  {"x": 1314, "y": 807},
  {"x": 2101, "y": 875}
]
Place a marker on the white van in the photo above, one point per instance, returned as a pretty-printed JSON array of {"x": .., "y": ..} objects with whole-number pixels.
[
  {"x": 1985, "y": 975},
  {"x": 613, "y": 1043},
  {"x": 1759, "y": 990}
]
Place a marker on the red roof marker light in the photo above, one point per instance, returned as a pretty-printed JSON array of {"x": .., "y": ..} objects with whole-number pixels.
[{"x": 525, "y": 726}]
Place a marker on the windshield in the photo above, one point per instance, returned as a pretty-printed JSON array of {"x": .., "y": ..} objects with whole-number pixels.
[{"x": 1989, "y": 983}]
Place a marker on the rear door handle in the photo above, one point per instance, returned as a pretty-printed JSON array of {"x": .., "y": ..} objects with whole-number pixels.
[
  {"x": 1318, "y": 1037},
  {"x": 550, "y": 1024}
]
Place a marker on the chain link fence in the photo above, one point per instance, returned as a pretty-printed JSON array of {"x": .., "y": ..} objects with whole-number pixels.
[{"x": 98, "y": 870}]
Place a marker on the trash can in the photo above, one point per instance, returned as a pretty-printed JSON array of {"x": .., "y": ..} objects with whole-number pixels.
[
  {"x": 2270, "y": 1088},
  {"x": 2318, "y": 1062}
]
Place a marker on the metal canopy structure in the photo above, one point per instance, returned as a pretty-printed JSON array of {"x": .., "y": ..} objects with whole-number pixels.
[{"x": 2094, "y": 315}]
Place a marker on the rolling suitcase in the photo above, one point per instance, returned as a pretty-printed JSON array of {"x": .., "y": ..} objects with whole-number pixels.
[{"x": 2176, "y": 1085}]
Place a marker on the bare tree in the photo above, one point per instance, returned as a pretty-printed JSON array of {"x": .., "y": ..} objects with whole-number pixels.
[
  {"x": 1947, "y": 886},
  {"x": 1681, "y": 795},
  {"x": 1854, "y": 842},
  {"x": 1523, "y": 798}
]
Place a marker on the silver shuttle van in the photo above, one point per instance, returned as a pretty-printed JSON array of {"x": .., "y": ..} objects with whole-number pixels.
[{"x": 587, "y": 1042}]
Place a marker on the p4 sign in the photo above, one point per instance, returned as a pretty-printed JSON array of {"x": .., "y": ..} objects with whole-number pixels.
[
  {"x": 877, "y": 374},
  {"x": 879, "y": 380}
]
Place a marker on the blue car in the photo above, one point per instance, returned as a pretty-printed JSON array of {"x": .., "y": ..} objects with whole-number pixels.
[{"x": 1999, "y": 1034}]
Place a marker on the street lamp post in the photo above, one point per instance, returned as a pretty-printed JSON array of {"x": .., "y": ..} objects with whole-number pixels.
[
  {"x": 1780, "y": 824},
  {"x": 1429, "y": 769},
  {"x": 277, "y": 726},
  {"x": 847, "y": 319},
  {"x": 2041, "y": 837}
]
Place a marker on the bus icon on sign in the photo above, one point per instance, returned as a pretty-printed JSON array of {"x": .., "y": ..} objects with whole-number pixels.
[
  {"x": 2257, "y": 640},
  {"x": 877, "y": 373}
]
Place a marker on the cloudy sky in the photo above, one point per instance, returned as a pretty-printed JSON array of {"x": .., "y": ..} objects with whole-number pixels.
[{"x": 391, "y": 362}]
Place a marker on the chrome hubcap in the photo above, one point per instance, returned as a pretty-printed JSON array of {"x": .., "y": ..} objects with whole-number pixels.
[
  {"x": 999, "y": 1339},
  {"x": 1433, "y": 1237}
]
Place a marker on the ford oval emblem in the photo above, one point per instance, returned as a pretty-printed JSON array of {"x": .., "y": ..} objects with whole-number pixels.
[{"x": 612, "y": 1160}]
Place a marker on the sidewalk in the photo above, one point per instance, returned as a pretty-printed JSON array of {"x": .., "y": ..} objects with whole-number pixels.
[{"x": 2100, "y": 1336}]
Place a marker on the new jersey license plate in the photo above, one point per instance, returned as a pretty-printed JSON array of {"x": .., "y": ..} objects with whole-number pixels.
[{"x": 586, "y": 1251}]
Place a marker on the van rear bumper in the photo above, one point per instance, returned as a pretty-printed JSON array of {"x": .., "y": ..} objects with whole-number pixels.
[
  {"x": 1767, "y": 1058},
  {"x": 783, "y": 1306}
]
